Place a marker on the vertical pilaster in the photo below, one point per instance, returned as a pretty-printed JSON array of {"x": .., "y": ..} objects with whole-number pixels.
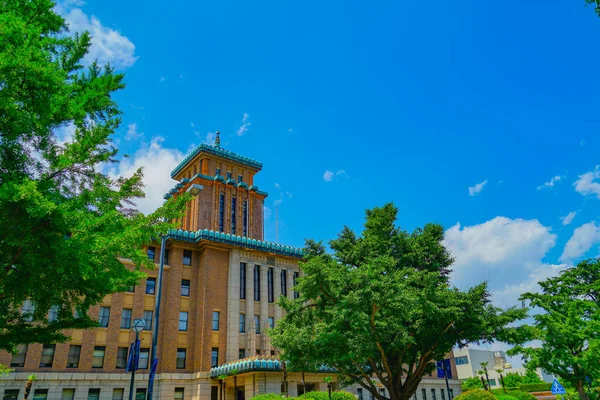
[
  {"x": 250, "y": 350},
  {"x": 264, "y": 306},
  {"x": 233, "y": 306}
]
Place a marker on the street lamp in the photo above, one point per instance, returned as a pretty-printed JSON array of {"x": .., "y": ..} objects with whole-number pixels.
[
  {"x": 138, "y": 326},
  {"x": 194, "y": 189}
]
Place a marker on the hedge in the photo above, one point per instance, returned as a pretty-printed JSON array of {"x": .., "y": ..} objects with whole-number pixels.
[
  {"x": 476, "y": 394},
  {"x": 337, "y": 395},
  {"x": 522, "y": 395},
  {"x": 267, "y": 396},
  {"x": 505, "y": 397},
  {"x": 535, "y": 387}
]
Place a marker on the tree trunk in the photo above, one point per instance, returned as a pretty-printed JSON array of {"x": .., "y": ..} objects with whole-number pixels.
[
  {"x": 304, "y": 384},
  {"x": 329, "y": 389},
  {"x": 484, "y": 384},
  {"x": 581, "y": 390},
  {"x": 235, "y": 393},
  {"x": 487, "y": 378}
]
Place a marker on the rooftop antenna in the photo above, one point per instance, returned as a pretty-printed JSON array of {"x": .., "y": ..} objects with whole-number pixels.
[
  {"x": 218, "y": 140},
  {"x": 276, "y": 224}
]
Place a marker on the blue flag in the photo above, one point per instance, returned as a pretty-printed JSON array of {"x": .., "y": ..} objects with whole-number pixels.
[
  {"x": 440, "y": 369},
  {"x": 133, "y": 357},
  {"x": 444, "y": 369},
  {"x": 448, "y": 368},
  {"x": 152, "y": 373}
]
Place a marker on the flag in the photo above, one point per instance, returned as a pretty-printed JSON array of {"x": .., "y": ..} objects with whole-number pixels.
[
  {"x": 444, "y": 369},
  {"x": 151, "y": 378},
  {"x": 448, "y": 368},
  {"x": 133, "y": 357},
  {"x": 440, "y": 369}
]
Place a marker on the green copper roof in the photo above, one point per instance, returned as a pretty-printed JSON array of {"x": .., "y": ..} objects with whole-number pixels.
[
  {"x": 217, "y": 151},
  {"x": 219, "y": 178},
  {"x": 256, "y": 363},
  {"x": 241, "y": 241}
]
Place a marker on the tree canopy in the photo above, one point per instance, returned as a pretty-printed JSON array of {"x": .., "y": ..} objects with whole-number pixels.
[
  {"x": 381, "y": 306},
  {"x": 567, "y": 323},
  {"x": 64, "y": 222}
]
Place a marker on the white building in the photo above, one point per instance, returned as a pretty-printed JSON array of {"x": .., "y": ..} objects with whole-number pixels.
[{"x": 468, "y": 363}]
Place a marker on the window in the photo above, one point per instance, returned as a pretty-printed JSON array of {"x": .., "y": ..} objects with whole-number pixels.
[
  {"x": 359, "y": 393},
  {"x": 18, "y": 360},
  {"x": 257, "y": 324},
  {"x": 257, "y": 352},
  {"x": 11, "y": 394},
  {"x": 424, "y": 393},
  {"x": 118, "y": 394},
  {"x": 185, "y": 287},
  {"x": 147, "y": 320},
  {"x": 432, "y": 394},
  {"x": 462, "y": 360},
  {"x": 187, "y": 257},
  {"x": 295, "y": 282},
  {"x": 104, "y": 316},
  {"x": 218, "y": 171},
  {"x": 126, "y": 318},
  {"x": 131, "y": 289},
  {"x": 221, "y": 211},
  {"x": 240, "y": 179},
  {"x": 144, "y": 357},
  {"x": 151, "y": 251},
  {"x": 492, "y": 382},
  {"x": 382, "y": 392},
  {"x": 53, "y": 314},
  {"x": 442, "y": 393},
  {"x": 179, "y": 393},
  {"x": 68, "y": 394},
  {"x": 270, "y": 296},
  {"x": 98, "y": 357},
  {"x": 233, "y": 216},
  {"x": 27, "y": 310},
  {"x": 47, "y": 355},
  {"x": 214, "y": 357},
  {"x": 122, "y": 357},
  {"x": 257, "y": 283},
  {"x": 214, "y": 393},
  {"x": 73, "y": 357},
  {"x": 166, "y": 260},
  {"x": 94, "y": 394},
  {"x": 140, "y": 394},
  {"x": 181, "y": 353},
  {"x": 150, "y": 285},
  {"x": 242, "y": 280},
  {"x": 215, "y": 321},
  {"x": 228, "y": 174},
  {"x": 284, "y": 282},
  {"x": 245, "y": 218},
  {"x": 273, "y": 353},
  {"x": 271, "y": 322},
  {"x": 183, "y": 320},
  {"x": 40, "y": 394},
  {"x": 242, "y": 323},
  {"x": 451, "y": 393},
  {"x": 242, "y": 354}
]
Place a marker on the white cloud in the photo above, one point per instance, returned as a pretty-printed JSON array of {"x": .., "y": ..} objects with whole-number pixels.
[
  {"x": 244, "y": 126},
  {"x": 192, "y": 124},
  {"x": 586, "y": 183},
  {"x": 108, "y": 45},
  {"x": 290, "y": 130},
  {"x": 502, "y": 251},
  {"x": 277, "y": 185},
  {"x": 329, "y": 175},
  {"x": 584, "y": 237},
  {"x": 473, "y": 190},
  {"x": 132, "y": 132},
  {"x": 209, "y": 138},
  {"x": 582, "y": 142},
  {"x": 65, "y": 133},
  {"x": 550, "y": 184},
  {"x": 268, "y": 213},
  {"x": 567, "y": 219},
  {"x": 157, "y": 162}
]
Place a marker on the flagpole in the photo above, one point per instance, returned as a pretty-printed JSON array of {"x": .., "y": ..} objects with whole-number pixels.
[{"x": 134, "y": 366}]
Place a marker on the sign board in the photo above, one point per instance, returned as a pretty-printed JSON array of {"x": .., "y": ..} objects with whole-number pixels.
[{"x": 557, "y": 388}]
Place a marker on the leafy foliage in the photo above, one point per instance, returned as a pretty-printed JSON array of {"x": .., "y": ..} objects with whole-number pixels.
[
  {"x": 514, "y": 379},
  {"x": 64, "y": 222},
  {"x": 381, "y": 305},
  {"x": 476, "y": 394},
  {"x": 505, "y": 397},
  {"x": 568, "y": 326},
  {"x": 471, "y": 383},
  {"x": 268, "y": 396},
  {"x": 337, "y": 395},
  {"x": 596, "y": 3},
  {"x": 519, "y": 395},
  {"x": 535, "y": 387}
]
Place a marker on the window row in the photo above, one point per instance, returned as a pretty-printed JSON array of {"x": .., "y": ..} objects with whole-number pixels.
[
  {"x": 126, "y": 318},
  {"x": 270, "y": 282},
  {"x": 361, "y": 395},
  {"x": 233, "y": 215},
  {"x": 271, "y": 322},
  {"x": 92, "y": 394},
  {"x": 187, "y": 256},
  {"x": 151, "y": 287},
  {"x": 73, "y": 358}
]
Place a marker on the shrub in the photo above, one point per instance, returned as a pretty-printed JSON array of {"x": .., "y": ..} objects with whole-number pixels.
[
  {"x": 535, "y": 387},
  {"x": 342, "y": 395},
  {"x": 522, "y": 395},
  {"x": 476, "y": 394},
  {"x": 267, "y": 396},
  {"x": 471, "y": 383},
  {"x": 317, "y": 395},
  {"x": 505, "y": 397}
]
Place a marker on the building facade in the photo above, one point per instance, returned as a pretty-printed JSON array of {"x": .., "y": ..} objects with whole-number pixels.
[
  {"x": 469, "y": 364},
  {"x": 221, "y": 281}
]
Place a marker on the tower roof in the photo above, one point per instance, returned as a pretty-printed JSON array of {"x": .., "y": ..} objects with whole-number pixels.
[{"x": 219, "y": 152}]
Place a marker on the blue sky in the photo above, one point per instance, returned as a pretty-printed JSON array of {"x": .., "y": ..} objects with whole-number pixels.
[{"x": 480, "y": 116}]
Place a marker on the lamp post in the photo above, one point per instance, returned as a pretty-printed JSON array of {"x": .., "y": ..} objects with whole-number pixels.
[
  {"x": 138, "y": 326},
  {"x": 193, "y": 189}
]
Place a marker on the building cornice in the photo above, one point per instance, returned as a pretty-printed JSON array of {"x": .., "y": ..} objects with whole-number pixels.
[{"x": 219, "y": 152}]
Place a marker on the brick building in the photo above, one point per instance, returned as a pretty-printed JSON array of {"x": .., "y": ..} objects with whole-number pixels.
[{"x": 220, "y": 285}]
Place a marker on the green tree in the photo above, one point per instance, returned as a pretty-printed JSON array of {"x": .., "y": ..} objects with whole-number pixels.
[
  {"x": 513, "y": 379},
  {"x": 64, "y": 222},
  {"x": 531, "y": 376},
  {"x": 568, "y": 326},
  {"x": 596, "y": 3},
  {"x": 471, "y": 383},
  {"x": 382, "y": 306}
]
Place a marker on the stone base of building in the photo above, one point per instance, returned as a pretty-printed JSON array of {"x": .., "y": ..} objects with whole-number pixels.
[{"x": 198, "y": 386}]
